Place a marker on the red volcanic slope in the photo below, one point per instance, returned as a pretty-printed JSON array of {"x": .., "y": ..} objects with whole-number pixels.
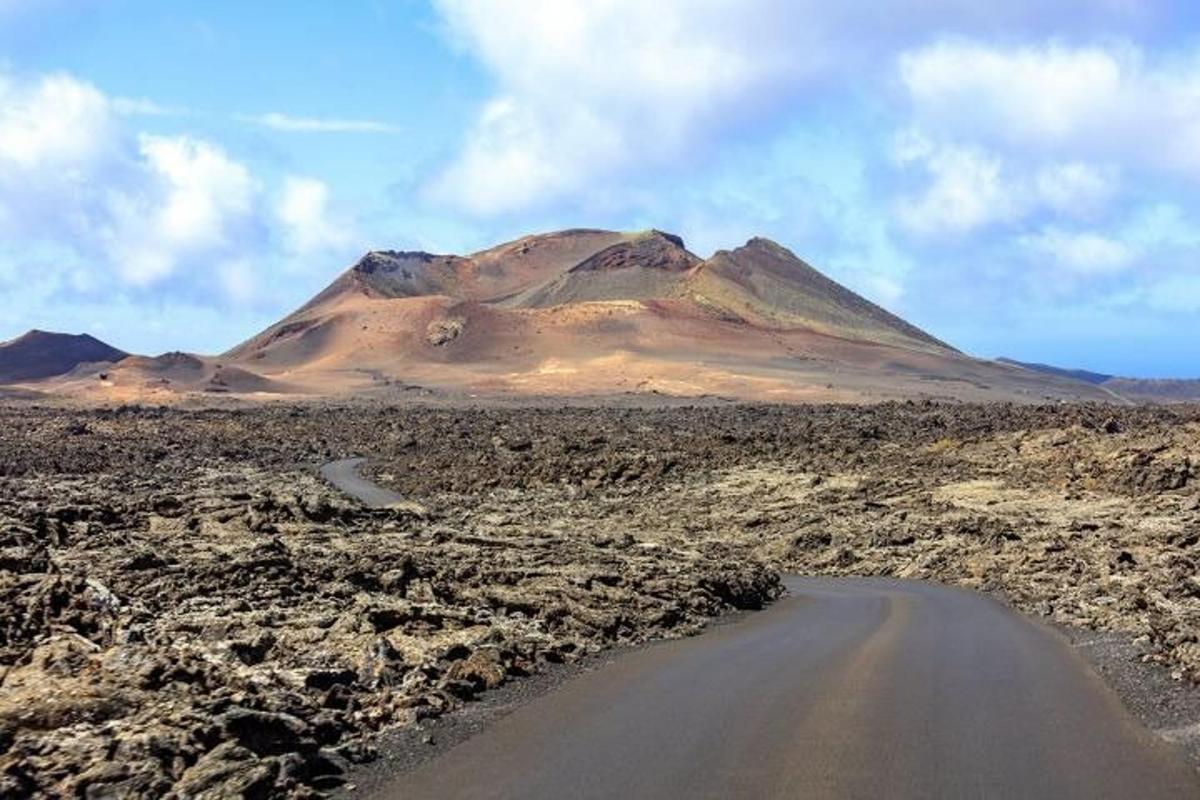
[{"x": 587, "y": 311}]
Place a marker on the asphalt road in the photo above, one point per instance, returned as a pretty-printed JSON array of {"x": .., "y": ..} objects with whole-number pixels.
[
  {"x": 345, "y": 476},
  {"x": 849, "y": 688}
]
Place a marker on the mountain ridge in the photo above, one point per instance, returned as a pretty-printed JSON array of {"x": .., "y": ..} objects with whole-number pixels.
[
  {"x": 1132, "y": 389},
  {"x": 590, "y": 313},
  {"x": 668, "y": 269}
]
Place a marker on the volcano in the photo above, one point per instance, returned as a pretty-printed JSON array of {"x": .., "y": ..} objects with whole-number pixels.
[{"x": 593, "y": 312}]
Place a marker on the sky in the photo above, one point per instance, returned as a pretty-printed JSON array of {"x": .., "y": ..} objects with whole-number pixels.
[{"x": 1020, "y": 179}]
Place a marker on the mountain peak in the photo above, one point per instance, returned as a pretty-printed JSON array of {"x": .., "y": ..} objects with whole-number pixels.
[
  {"x": 766, "y": 282},
  {"x": 764, "y": 243},
  {"x": 404, "y": 273},
  {"x": 673, "y": 238},
  {"x": 523, "y": 306},
  {"x": 650, "y": 250},
  {"x": 383, "y": 260},
  {"x": 36, "y": 335}
]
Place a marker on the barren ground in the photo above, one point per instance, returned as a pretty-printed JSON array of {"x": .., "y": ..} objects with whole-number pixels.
[{"x": 189, "y": 610}]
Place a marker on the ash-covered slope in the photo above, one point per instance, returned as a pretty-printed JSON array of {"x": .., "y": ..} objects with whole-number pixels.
[
  {"x": 640, "y": 267},
  {"x": 41, "y": 354},
  {"x": 766, "y": 283},
  {"x": 760, "y": 284},
  {"x": 588, "y": 311},
  {"x": 488, "y": 276}
]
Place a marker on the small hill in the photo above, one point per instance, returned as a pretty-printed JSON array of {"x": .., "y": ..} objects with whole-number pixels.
[
  {"x": 1141, "y": 390},
  {"x": 1155, "y": 390},
  {"x": 164, "y": 379},
  {"x": 1094, "y": 378},
  {"x": 41, "y": 354}
]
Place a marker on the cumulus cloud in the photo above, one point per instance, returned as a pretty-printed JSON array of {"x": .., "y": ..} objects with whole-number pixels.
[
  {"x": 309, "y": 224},
  {"x": 144, "y": 209},
  {"x": 61, "y": 150},
  {"x": 71, "y": 175},
  {"x": 968, "y": 187},
  {"x": 1033, "y": 94},
  {"x": 1055, "y": 148},
  {"x": 55, "y": 122},
  {"x": 1108, "y": 103},
  {"x": 591, "y": 90},
  {"x": 194, "y": 202}
]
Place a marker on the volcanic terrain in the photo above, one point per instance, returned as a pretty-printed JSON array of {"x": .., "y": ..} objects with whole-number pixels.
[
  {"x": 581, "y": 313},
  {"x": 192, "y": 612},
  {"x": 600, "y": 313}
]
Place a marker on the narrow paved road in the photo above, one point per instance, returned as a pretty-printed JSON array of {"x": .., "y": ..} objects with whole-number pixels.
[
  {"x": 345, "y": 476},
  {"x": 849, "y": 688}
]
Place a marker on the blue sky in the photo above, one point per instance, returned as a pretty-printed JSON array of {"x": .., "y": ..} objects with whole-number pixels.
[{"x": 1021, "y": 179}]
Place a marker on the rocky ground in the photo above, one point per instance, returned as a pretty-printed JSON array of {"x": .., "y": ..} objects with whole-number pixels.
[{"x": 190, "y": 612}]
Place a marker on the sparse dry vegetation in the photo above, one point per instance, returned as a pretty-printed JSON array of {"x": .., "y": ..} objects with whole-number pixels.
[{"x": 190, "y": 610}]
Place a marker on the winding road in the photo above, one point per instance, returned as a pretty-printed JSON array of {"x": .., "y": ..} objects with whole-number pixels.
[
  {"x": 846, "y": 688},
  {"x": 345, "y": 475}
]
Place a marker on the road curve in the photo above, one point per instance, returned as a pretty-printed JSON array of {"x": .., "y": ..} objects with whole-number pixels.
[
  {"x": 344, "y": 475},
  {"x": 848, "y": 688}
]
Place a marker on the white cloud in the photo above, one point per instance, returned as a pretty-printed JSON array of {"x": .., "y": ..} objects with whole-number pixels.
[
  {"x": 237, "y": 280},
  {"x": 1163, "y": 225},
  {"x": 588, "y": 89},
  {"x": 55, "y": 122},
  {"x": 141, "y": 210},
  {"x": 60, "y": 150},
  {"x": 285, "y": 122},
  {"x": 970, "y": 187},
  {"x": 1076, "y": 188},
  {"x": 1035, "y": 94},
  {"x": 1109, "y": 103},
  {"x": 303, "y": 209},
  {"x": 204, "y": 187},
  {"x": 1063, "y": 140},
  {"x": 195, "y": 202},
  {"x": 1081, "y": 252},
  {"x": 140, "y": 106},
  {"x": 967, "y": 189}
]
